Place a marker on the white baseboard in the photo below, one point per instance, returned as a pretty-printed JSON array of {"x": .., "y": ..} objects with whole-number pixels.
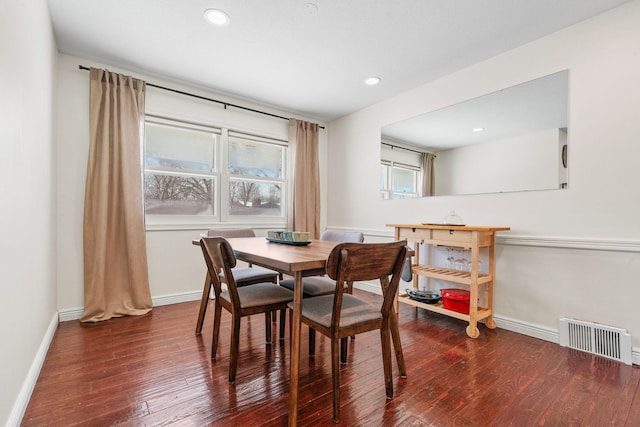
[
  {"x": 513, "y": 325},
  {"x": 530, "y": 330},
  {"x": 373, "y": 287},
  {"x": 177, "y": 298},
  {"x": 20, "y": 406},
  {"x": 76, "y": 313}
]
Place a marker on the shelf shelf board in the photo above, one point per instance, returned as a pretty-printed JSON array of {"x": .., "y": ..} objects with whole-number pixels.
[
  {"x": 483, "y": 313},
  {"x": 449, "y": 274}
]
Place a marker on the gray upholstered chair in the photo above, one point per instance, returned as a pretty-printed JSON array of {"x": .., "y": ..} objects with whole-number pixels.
[
  {"x": 322, "y": 285},
  {"x": 240, "y": 301},
  {"x": 341, "y": 315},
  {"x": 243, "y": 276}
]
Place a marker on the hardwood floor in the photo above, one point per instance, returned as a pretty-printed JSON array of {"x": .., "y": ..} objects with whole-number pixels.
[{"x": 153, "y": 370}]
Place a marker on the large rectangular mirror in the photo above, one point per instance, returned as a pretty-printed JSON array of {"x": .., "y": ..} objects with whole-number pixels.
[{"x": 511, "y": 140}]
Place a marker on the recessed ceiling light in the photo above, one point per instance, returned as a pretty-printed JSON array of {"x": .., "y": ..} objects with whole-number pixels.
[
  {"x": 477, "y": 129},
  {"x": 216, "y": 17},
  {"x": 372, "y": 81}
]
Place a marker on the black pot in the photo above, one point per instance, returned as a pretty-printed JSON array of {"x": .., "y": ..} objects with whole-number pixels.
[{"x": 427, "y": 297}]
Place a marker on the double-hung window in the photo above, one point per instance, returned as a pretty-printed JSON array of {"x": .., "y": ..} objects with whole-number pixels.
[
  {"x": 399, "y": 181},
  {"x": 197, "y": 175},
  {"x": 255, "y": 176}
]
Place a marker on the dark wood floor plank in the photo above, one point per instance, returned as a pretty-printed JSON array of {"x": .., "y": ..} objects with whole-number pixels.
[{"x": 153, "y": 370}]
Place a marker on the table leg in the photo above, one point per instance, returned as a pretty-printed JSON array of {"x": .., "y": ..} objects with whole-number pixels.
[{"x": 295, "y": 350}]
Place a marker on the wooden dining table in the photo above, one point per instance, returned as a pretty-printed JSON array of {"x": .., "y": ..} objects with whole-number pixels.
[{"x": 299, "y": 262}]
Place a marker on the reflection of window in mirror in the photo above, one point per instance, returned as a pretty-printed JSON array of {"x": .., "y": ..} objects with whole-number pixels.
[
  {"x": 398, "y": 181},
  {"x": 400, "y": 172}
]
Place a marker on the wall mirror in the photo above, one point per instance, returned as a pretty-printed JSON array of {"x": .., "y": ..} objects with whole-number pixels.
[{"x": 514, "y": 139}]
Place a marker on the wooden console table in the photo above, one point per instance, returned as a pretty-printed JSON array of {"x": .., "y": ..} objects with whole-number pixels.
[{"x": 456, "y": 236}]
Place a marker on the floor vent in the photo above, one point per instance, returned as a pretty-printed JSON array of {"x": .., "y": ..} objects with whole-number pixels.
[{"x": 607, "y": 341}]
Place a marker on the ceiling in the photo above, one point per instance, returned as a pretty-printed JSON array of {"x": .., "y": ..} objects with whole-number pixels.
[{"x": 307, "y": 57}]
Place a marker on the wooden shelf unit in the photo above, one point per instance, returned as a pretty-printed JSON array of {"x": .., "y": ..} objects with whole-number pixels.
[{"x": 457, "y": 236}]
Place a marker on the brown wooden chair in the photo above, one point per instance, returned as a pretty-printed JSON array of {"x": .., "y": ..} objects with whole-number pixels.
[
  {"x": 243, "y": 275},
  {"x": 341, "y": 315},
  {"x": 314, "y": 286},
  {"x": 264, "y": 297}
]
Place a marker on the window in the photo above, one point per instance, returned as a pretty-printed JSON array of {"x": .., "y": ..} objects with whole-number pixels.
[
  {"x": 255, "y": 176},
  {"x": 180, "y": 170},
  {"x": 398, "y": 181},
  {"x": 198, "y": 174}
]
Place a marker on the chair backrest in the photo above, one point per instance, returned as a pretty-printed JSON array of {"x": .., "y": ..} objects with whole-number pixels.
[
  {"x": 342, "y": 236},
  {"x": 367, "y": 261},
  {"x": 219, "y": 256},
  {"x": 237, "y": 232}
]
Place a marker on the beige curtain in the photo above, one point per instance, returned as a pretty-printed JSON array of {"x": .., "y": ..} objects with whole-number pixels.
[
  {"x": 304, "y": 213},
  {"x": 116, "y": 279},
  {"x": 428, "y": 178}
]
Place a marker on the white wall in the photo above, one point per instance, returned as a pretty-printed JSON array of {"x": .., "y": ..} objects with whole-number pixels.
[
  {"x": 28, "y": 216},
  {"x": 176, "y": 269},
  {"x": 572, "y": 253},
  {"x": 523, "y": 162}
]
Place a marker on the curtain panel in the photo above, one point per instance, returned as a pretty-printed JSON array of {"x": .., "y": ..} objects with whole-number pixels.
[
  {"x": 428, "y": 179},
  {"x": 304, "y": 213},
  {"x": 116, "y": 279}
]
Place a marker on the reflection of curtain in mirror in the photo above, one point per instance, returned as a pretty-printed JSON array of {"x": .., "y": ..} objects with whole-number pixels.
[{"x": 428, "y": 181}]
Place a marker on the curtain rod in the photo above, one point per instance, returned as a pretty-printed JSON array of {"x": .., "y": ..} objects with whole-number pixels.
[
  {"x": 226, "y": 104},
  {"x": 402, "y": 148}
]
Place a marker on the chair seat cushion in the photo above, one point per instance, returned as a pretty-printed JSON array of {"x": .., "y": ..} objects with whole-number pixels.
[
  {"x": 313, "y": 286},
  {"x": 242, "y": 274},
  {"x": 354, "y": 310},
  {"x": 260, "y": 294}
]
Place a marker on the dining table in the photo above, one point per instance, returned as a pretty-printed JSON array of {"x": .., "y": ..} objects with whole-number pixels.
[{"x": 298, "y": 260}]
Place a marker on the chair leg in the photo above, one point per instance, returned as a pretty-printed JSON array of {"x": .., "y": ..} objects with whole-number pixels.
[
  {"x": 335, "y": 372},
  {"x": 343, "y": 350},
  {"x": 290, "y": 328},
  {"x": 267, "y": 326},
  {"x": 312, "y": 342},
  {"x": 283, "y": 316},
  {"x": 350, "y": 287},
  {"x": 217, "y": 314},
  {"x": 273, "y": 313},
  {"x": 397, "y": 345},
  {"x": 204, "y": 301},
  {"x": 350, "y": 291},
  {"x": 235, "y": 345},
  {"x": 386, "y": 359}
]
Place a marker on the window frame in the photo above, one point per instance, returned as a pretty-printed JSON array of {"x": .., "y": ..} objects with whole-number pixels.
[
  {"x": 225, "y": 215},
  {"x": 388, "y": 193},
  {"x": 221, "y": 216}
]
